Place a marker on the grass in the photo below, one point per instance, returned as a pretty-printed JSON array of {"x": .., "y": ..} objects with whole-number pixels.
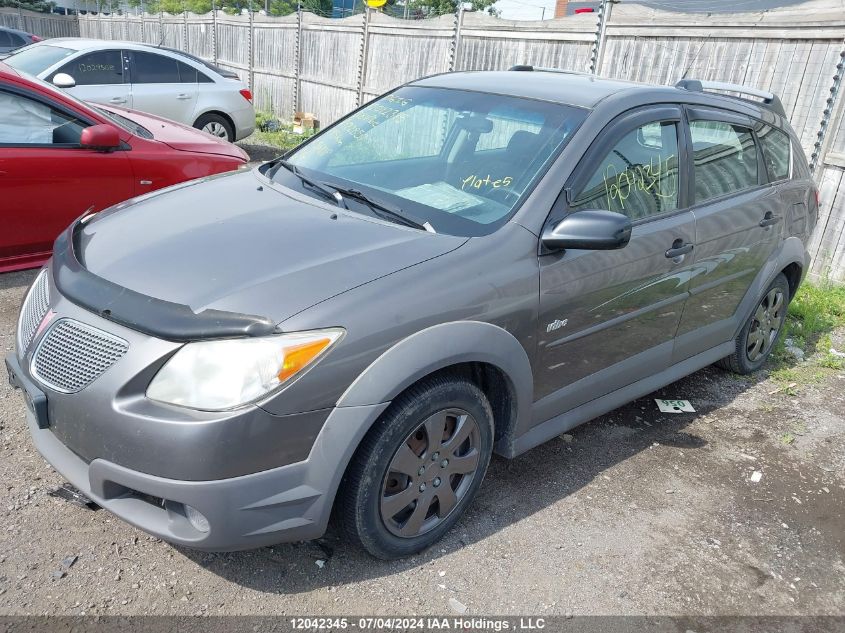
[
  {"x": 284, "y": 138},
  {"x": 816, "y": 310}
]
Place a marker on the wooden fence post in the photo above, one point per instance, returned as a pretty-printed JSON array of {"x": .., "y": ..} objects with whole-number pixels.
[
  {"x": 160, "y": 28},
  {"x": 297, "y": 70},
  {"x": 834, "y": 111},
  {"x": 362, "y": 62},
  {"x": 251, "y": 58},
  {"x": 214, "y": 32},
  {"x": 185, "y": 30},
  {"x": 456, "y": 39}
]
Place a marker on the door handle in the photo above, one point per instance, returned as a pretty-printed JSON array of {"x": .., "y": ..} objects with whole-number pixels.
[
  {"x": 183, "y": 97},
  {"x": 679, "y": 249},
  {"x": 117, "y": 100},
  {"x": 769, "y": 219}
]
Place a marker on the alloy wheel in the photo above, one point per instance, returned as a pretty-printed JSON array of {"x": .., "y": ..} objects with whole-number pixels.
[
  {"x": 215, "y": 129},
  {"x": 430, "y": 473},
  {"x": 765, "y": 325}
]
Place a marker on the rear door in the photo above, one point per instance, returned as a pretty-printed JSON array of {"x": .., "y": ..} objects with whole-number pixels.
[
  {"x": 46, "y": 178},
  {"x": 163, "y": 86},
  {"x": 739, "y": 221},
  {"x": 607, "y": 318},
  {"x": 100, "y": 77}
]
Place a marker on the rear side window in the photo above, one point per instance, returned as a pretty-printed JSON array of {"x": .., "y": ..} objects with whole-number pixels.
[
  {"x": 94, "y": 69},
  {"x": 639, "y": 176},
  {"x": 724, "y": 157},
  {"x": 16, "y": 40},
  {"x": 149, "y": 68},
  {"x": 5, "y": 40},
  {"x": 776, "y": 148}
]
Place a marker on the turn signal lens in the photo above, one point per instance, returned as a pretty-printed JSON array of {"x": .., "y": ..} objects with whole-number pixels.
[
  {"x": 297, "y": 357},
  {"x": 246, "y": 94}
]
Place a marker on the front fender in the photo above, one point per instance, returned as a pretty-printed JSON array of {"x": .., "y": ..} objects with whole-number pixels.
[{"x": 438, "y": 347}]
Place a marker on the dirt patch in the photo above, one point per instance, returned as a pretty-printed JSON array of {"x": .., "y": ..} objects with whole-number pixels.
[{"x": 637, "y": 512}]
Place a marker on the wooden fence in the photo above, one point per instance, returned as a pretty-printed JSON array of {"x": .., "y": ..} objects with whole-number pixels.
[
  {"x": 327, "y": 66},
  {"x": 42, "y": 24}
]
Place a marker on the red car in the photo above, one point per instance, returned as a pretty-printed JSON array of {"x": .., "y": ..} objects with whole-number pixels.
[{"x": 60, "y": 157}]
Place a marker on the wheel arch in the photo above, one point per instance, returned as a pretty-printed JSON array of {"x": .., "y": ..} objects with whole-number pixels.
[
  {"x": 486, "y": 354},
  {"x": 219, "y": 113}
]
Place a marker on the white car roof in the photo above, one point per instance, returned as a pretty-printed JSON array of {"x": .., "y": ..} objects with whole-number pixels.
[{"x": 85, "y": 44}]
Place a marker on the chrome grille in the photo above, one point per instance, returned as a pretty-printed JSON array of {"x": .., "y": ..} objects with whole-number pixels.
[
  {"x": 72, "y": 355},
  {"x": 33, "y": 311}
]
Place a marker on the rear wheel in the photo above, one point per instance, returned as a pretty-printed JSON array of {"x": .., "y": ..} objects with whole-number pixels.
[
  {"x": 216, "y": 125},
  {"x": 417, "y": 471},
  {"x": 757, "y": 338}
]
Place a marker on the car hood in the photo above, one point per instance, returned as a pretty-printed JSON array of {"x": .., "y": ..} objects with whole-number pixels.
[
  {"x": 178, "y": 136},
  {"x": 238, "y": 243}
]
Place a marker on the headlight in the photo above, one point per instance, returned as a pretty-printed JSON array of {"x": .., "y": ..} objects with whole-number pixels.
[{"x": 224, "y": 374}]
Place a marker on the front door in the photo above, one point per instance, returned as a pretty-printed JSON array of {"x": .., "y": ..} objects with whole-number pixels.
[
  {"x": 46, "y": 179},
  {"x": 100, "y": 78},
  {"x": 608, "y": 318}
]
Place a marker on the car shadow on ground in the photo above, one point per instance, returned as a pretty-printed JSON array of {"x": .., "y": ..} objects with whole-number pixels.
[{"x": 512, "y": 490}]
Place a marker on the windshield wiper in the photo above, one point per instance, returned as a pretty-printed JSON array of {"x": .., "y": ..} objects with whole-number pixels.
[
  {"x": 314, "y": 184},
  {"x": 382, "y": 209}
]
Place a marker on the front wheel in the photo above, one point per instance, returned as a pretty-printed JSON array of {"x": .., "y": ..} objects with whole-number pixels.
[
  {"x": 757, "y": 338},
  {"x": 418, "y": 469}
]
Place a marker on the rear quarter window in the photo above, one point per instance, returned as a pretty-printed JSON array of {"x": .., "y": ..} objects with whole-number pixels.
[{"x": 777, "y": 152}]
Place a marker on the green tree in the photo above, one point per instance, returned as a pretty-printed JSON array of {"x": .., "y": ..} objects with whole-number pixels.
[
  {"x": 29, "y": 5},
  {"x": 431, "y": 8}
]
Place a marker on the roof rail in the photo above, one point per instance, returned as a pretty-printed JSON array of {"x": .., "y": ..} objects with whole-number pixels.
[
  {"x": 770, "y": 100},
  {"x": 529, "y": 68}
]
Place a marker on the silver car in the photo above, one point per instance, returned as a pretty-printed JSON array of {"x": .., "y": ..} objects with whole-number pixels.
[{"x": 152, "y": 79}]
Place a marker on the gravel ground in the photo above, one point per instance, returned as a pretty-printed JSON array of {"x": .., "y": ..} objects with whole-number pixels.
[{"x": 637, "y": 512}]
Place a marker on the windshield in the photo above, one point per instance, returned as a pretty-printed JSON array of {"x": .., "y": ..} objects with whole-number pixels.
[
  {"x": 460, "y": 161},
  {"x": 34, "y": 60}
]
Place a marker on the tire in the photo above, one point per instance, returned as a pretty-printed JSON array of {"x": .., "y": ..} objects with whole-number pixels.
[
  {"x": 393, "y": 499},
  {"x": 217, "y": 126},
  {"x": 759, "y": 335}
]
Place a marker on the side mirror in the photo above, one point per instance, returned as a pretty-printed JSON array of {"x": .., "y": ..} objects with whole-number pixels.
[
  {"x": 591, "y": 229},
  {"x": 63, "y": 80},
  {"x": 103, "y": 138}
]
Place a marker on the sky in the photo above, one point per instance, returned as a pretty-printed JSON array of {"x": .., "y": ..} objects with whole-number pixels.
[{"x": 534, "y": 9}]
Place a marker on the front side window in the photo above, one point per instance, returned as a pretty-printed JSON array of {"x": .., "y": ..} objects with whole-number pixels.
[
  {"x": 776, "y": 147},
  {"x": 29, "y": 122},
  {"x": 34, "y": 60},
  {"x": 724, "y": 159},
  {"x": 457, "y": 159},
  {"x": 639, "y": 176},
  {"x": 95, "y": 69}
]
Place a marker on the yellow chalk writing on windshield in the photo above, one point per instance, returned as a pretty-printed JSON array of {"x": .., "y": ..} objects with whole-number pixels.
[{"x": 475, "y": 182}]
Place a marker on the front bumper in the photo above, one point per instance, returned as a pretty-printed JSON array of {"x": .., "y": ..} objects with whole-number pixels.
[{"x": 283, "y": 504}]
